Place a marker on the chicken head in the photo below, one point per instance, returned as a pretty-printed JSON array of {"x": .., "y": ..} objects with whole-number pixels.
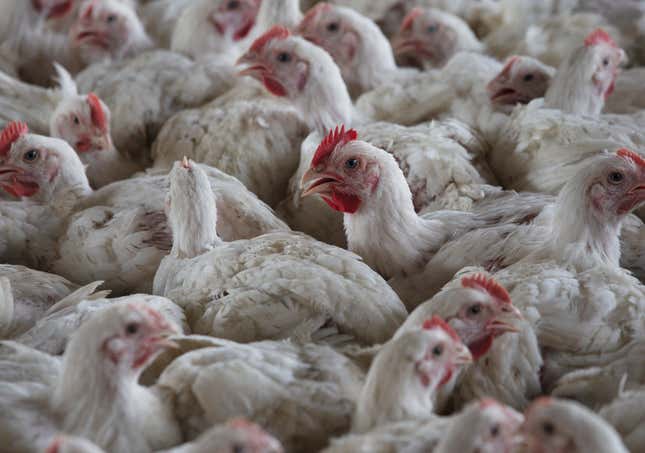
[
  {"x": 234, "y": 18},
  {"x": 521, "y": 80},
  {"x": 106, "y": 29},
  {"x": 33, "y": 165},
  {"x": 424, "y": 39}
]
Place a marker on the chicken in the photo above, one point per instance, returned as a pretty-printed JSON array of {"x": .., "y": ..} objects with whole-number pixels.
[
  {"x": 81, "y": 120},
  {"x": 32, "y": 293},
  {"x": 521, "y": 80},
  {"x": 406, "y": 373},
  {"x": 428, "y": 38},
  {"x": 367, "y": 185},
  {"x": 258, "y": 283},
  {"x": 122, "y": 226},
  {"x": 491, "y": 428},
  {"x": 506, "y": 367},
  {"x": 356, "y": 44},
  {"x": 210, "y": 27},
  {"x": 245, "y": 133},
  {"x": 51, "y": 333},
  {"x": 159, "y": 18},
  {"x": 92, "y": 391},
  {"x": 587, "y": 306},
  {"x": 301, "y": 394},
  {"x": 559, "y": 425},
  {"x": 107, "y": 29}
]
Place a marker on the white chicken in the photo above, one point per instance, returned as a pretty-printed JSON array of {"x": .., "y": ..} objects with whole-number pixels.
[
  {"x": 625, "y": 414},
  {"x": 122, "y": 226},
  {"x": 356, "y": 44},
  {"x": 301, "y": 394},
  {"x": 406, "y": 373},
  {"x": 428, "y": 38},
  {"x": 92, "y": 391},
  {"x": 559, "y": 425},
  {"x": 587, "y": 305},
  {"x": 274, "y": 285}
]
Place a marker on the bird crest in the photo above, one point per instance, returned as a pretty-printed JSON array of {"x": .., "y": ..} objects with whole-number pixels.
[
  {"x": 488, "y": 284},
  {"x": 631, "y": 155},
  {"x": 437, "y": 323},
  {"x": 331, "y": 141},
  {"x": 12, "y": 132},
  {"x": 599, "y": 36},
  {"x": 276, "y": 32},
  {"x": 97, "y": 113}
]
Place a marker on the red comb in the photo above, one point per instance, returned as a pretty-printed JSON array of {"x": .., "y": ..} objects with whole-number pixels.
[
  {"x": 12, "y": 132},
  {"x": 629, "y": 154},
  {"x": 98, "y": 115},
  {"x": 599, "y": 36},
  {"x": 488, "y": 284},
  {"x": 436, "y": 322},
  {"x": 275, "y": 32},
  {"x": 334, "y": 138},
  {"x": 509, "y": 64},
  {"x": 312, "y": 14},
  {"x": 409, "y": 19}
]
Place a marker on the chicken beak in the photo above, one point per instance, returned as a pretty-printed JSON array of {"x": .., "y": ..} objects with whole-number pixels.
[
  {"x": 315, "y": 182},
  {"x": 463, "y": 356},
  {"x": 505, "y": 321},
  {"x": 8, "y": 171}
]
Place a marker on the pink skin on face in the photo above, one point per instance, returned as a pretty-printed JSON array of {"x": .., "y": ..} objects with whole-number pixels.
[
  {"x": 451, "y": 353},
  {"x": 519, "y": 82},
  {"x": 85, "y": 126},
  {"x": 273, "y": 61},
  {"x": 608, "y": 59},
  {"x": 140, "y": 339},
  {"x": 16, "y": 179},
  {"x": 341, "y": 178},
  {"x": 323, "y": 26},
  {"x": 100, "y": 28},
  {"x": 235, "y": 17},
  {"x": 423, "y": 40},
  {"x": 620, "y": 188}
]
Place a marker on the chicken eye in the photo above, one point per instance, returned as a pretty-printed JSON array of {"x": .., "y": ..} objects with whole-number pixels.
[
  {"x": 605, "y": 61},
  {"x": 333, "y": 27},
  {"x": 233, "y": 4},
  {"x": 475, "y": 309},
  {"x": 548, "y": 428},
  {"x": 432, "y": 28},
  {"x": 132, "y": 328},
  {"x": 284, "y": 57},
  {"x": 76, "y": 120},
  {"x": 615, "y": 177},
  {"x": 528, "y": 77},
  {"x": 437, "y": 350},
  {"x": 351, "y": 163},
  {"x": 494, "y": 430},
  {"x": 237, "y": 448},
  {"x": 110, "y": 19},
  {"x": 31, "y": 155}
]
